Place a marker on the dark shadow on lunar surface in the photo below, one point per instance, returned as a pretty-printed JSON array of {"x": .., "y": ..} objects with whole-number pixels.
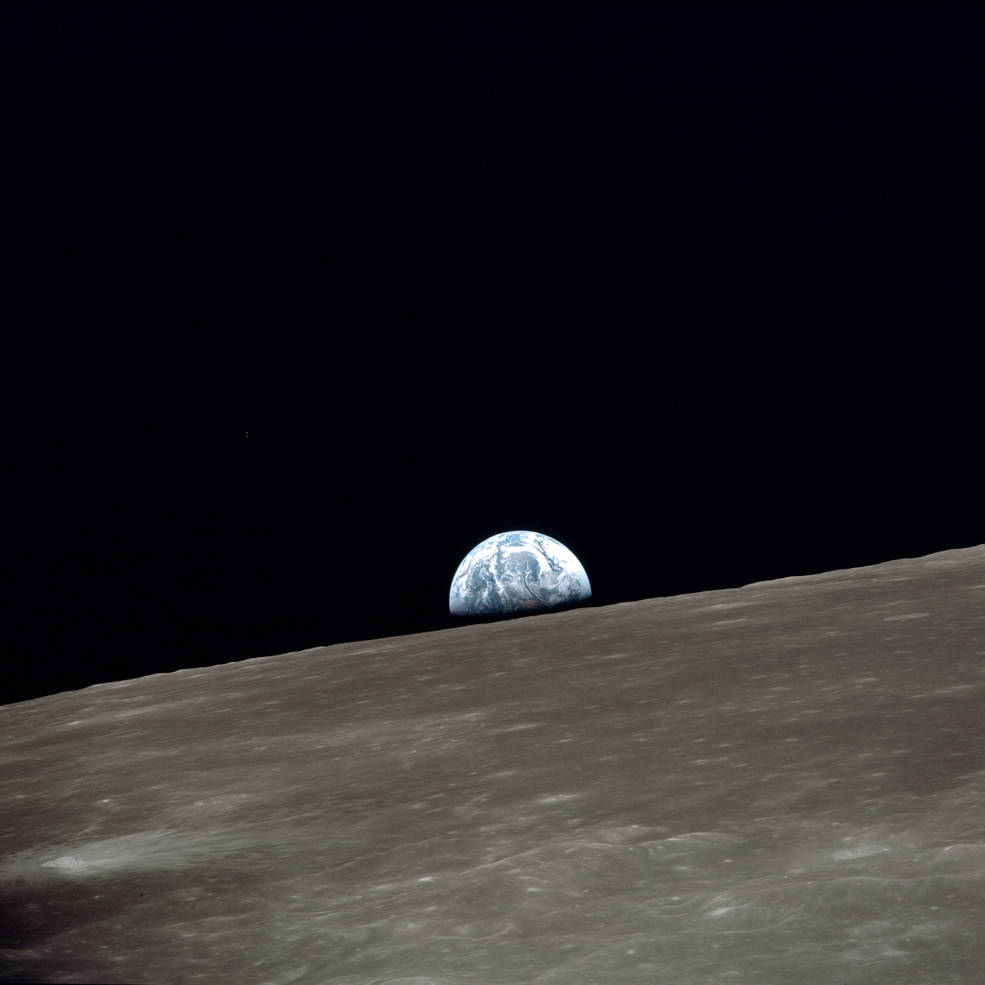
[{"x": 779, "y": 783}]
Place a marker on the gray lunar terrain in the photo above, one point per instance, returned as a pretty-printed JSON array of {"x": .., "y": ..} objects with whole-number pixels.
[{"x": 778, "y": 783}]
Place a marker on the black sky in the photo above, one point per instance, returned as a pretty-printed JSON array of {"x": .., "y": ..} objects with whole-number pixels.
[{"x": 696, "y": 293}]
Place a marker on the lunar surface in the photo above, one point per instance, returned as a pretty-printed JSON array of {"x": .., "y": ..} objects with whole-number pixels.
[{"x": 778, "y": 783}]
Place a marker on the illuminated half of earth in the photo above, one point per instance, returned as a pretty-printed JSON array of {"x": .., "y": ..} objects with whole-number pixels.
[{"x": 515, "y": 573}]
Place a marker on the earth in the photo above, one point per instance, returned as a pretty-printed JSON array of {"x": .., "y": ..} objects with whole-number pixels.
[{"x": 516, "y": 572}]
